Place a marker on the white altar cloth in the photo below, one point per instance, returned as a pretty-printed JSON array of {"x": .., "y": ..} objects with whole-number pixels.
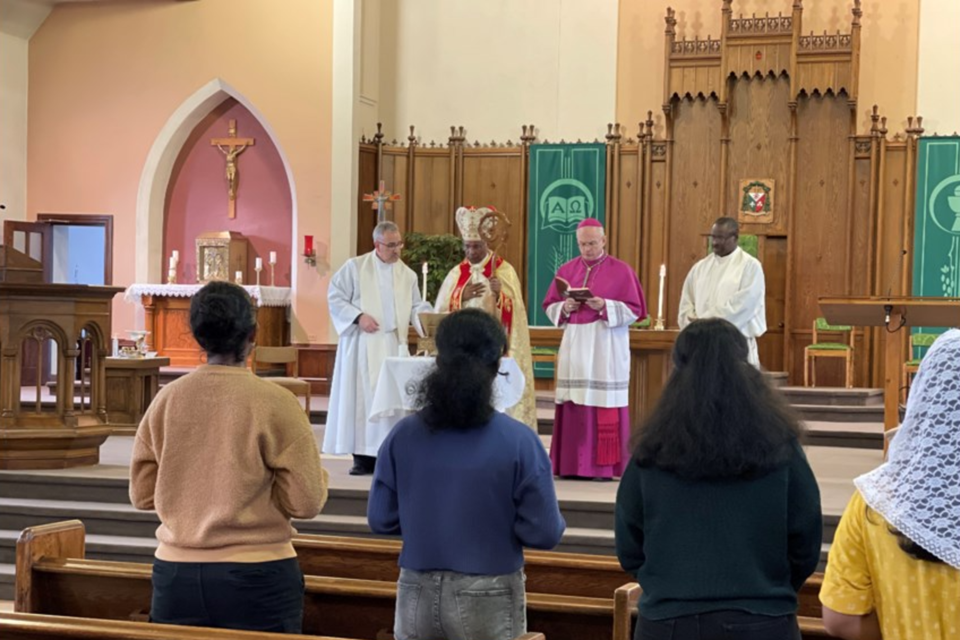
[
  {"x": 263, "y": 295},
  {"x": 394, "y": 397}
]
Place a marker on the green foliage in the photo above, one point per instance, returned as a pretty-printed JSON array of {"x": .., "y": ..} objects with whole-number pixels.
[{"x": 441, "y": 252}]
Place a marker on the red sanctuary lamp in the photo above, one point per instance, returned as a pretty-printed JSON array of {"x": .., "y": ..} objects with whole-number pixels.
[{"x": 309, "y": 253}]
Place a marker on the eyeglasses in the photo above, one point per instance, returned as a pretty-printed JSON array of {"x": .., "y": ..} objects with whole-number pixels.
[
  {"x": 723, "y": 237},
  {"x": 391, "y": 245},
  {"x": 589, "y": 244}
]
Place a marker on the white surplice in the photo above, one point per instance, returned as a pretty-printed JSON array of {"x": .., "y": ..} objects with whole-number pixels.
[
  {"x": 729, "y": 287},
  {"x": 391, "y": 295},
  {"x": 593, "y": 364}
]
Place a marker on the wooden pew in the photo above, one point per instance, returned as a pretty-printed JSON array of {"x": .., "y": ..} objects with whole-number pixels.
[
  {"x": 32, "y": 626},
  {"x": 49, "y": 583}
]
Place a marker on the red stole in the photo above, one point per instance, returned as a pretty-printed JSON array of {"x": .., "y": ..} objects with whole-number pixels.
[{"x": 504, "y": 303}]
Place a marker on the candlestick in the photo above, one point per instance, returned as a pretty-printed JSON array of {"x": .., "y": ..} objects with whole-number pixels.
[
  {"x": 426, "y": 270},
  {"x": 258, "y": 269},
  {"x": 658, "y": 325},
  {"x": 172, "y": 274},
  {"x": 238, "y": 277},
  {"x": 273, "y": 281},
  {"x": 259, "y": 263}
]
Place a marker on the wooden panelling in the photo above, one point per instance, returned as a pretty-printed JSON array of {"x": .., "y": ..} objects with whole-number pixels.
[
  {"x": 694, "y": 192},
  {"x": 316, "y": 365}
]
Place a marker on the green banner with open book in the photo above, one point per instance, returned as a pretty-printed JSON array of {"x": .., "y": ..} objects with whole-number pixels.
[
  {"x": 936, "y": 241},
  {"x": 567, "y": 184}
]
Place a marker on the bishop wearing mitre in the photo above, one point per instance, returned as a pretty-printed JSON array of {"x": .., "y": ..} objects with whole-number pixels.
[{"x": 486, "y": 281}]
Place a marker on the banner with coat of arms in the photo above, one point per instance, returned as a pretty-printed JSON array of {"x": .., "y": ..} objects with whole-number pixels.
[
  {"x": 756, "y": 201},
  {"x": 567, "y": 184},
  {"x": 936, "y": 240}
]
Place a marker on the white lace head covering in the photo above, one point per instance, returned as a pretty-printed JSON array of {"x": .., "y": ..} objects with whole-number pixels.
[{"x": 917, "y": 490}]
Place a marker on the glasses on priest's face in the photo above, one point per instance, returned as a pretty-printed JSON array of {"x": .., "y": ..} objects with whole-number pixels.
[{"x": 393, "y": 246}]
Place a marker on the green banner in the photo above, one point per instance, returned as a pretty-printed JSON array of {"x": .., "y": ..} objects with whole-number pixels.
[
  {"x": 936, "y": 242},
  {"x": 567, "y": 184}
]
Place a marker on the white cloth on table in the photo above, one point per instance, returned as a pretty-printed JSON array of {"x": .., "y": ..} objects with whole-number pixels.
[
  {"x": 359, "y": 287},
  {"x": 731, "y": 287},
  {"x": 396, "y": 388},
  {"x": 263, "y": 295}
]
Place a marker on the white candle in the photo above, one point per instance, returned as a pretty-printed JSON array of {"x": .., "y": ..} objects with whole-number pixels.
[
  {"x": 663, "y": 275},
  {"x": 259, "y": 264},
  {"x": 273, "y": 257},
  {"x": 176, "y": 256},
  {"x": 238, "y": 277},
  {"x": 426, "y": 269},
  {"x": 173, "y": 262}
]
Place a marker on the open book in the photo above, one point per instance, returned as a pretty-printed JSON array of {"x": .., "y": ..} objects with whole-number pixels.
[{"x": 580, "y": 294}]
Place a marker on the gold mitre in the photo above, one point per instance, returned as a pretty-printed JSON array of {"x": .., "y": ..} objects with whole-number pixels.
[{"x": 468, "y": 220}]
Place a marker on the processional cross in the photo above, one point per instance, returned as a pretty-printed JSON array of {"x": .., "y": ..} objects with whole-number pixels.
[
  {"x": 381, "y": 199},
  {"x": 231, "y": 147}
]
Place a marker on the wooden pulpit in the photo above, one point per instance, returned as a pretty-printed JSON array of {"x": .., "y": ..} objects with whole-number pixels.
[{"x": 895, "y": 314}]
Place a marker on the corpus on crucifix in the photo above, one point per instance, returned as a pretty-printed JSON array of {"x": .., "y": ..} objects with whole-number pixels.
[{"x": 231, "y": 147}]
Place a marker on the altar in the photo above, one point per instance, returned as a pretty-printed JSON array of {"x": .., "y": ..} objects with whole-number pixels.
[
  {"x": 167, "y": 318},
  {"x": 394, "y": 397}
]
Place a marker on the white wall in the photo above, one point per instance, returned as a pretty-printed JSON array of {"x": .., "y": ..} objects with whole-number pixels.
[
  {"x": 938, "y": 83},
  {"x": 495, "y": 65},
  {"x": 18, "y": 21}
]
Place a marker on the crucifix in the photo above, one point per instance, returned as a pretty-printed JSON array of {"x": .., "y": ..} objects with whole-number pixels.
[
  {"x": 381, "y": 199},
  {"x": 231, "y": 147}
]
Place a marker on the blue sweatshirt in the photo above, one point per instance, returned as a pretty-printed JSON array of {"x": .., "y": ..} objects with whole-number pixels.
[{"x": 465, "y": 501}]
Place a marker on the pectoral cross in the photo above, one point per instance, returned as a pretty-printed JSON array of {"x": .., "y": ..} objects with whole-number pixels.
[
  {"x": 381, "y": 200},
  {"x": 232, "y": 147}
]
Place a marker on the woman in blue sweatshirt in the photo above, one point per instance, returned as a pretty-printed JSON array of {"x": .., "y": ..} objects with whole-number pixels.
[
  {"x": 718, "y": 514},
  {"x": 467, "y": 488}
]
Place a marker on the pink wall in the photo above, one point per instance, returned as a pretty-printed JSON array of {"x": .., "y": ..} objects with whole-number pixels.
[{"x": 197, "y": 196}]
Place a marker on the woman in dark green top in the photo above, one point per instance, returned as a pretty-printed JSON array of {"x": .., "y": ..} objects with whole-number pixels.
[{"x": 718, "y": 514}]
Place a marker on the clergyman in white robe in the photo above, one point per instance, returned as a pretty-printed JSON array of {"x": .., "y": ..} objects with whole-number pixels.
[
  {"x": 390, "y": 294},
  {"x": 731, "y": 287}
]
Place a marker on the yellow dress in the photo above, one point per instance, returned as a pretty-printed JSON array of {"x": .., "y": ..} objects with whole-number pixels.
[{"x": 867, "y": 570}]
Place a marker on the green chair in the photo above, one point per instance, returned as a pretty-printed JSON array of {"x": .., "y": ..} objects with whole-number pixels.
[
  {"x": 819, "y": 349},
  {"x": 919, "y": 343}
]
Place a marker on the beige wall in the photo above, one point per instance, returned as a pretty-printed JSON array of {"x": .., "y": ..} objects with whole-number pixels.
[
  {"x": 106, "y": 77},
  {"x": 888, "y": 60},
  {"x": 938, "y": 88},
  {"x": 18, "y": 21},
  {"x": 495, "y": 65}
]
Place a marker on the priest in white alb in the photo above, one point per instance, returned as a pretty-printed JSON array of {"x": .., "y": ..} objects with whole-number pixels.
[
  {"x": 488, "y": 282},
  {"x": 727, "y": 284},
  {"x": 373, "y": 299}
]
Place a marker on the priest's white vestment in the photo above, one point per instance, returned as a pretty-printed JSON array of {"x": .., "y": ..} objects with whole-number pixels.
[
  {"x": 390, "y": 294},
  {"x": 731, "y": 287}
]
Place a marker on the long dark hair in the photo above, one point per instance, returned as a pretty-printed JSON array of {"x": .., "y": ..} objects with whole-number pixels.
[
  {"x": 906, "y": 545},
  {"x": 458, "y": 393},
  {"x": 222, "y": 317},
  {"x": 717, "y": 417}
]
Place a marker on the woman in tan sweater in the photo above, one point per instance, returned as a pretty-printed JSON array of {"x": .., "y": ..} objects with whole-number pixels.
[{"x": 226, "y": 459}]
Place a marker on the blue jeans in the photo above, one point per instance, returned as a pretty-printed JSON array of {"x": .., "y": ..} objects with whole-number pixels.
[
  {"x": 719, "y": 625},
  {"x": 445, "y": 605},
  {"x": 256, "y": 596}
]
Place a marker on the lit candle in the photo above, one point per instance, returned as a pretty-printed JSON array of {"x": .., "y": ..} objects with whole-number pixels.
[
  {"x": 273, "y": 257},
  {"x": 663, "y": 275},
  {"x": 307, "y": 245},
  {"x": 259, "y": 263}
]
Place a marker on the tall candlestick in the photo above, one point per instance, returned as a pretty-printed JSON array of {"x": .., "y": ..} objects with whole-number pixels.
[
  {"x": 426, "y": 269},
  {"x": 663, "y": 275}
]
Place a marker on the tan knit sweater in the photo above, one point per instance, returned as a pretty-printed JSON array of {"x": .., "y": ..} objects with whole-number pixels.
[{"x": 226, "y": 459}]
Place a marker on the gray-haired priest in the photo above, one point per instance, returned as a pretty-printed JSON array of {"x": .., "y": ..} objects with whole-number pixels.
[{"x": 373, "y": 299}]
